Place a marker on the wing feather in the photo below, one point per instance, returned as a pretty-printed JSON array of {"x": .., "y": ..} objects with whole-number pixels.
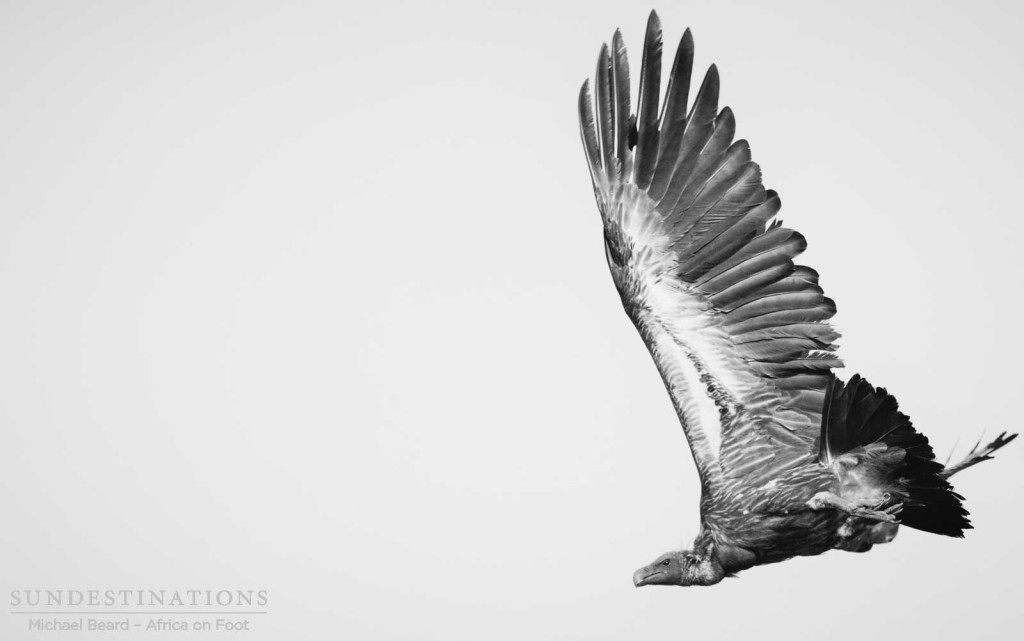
[
  {"x": 738, "y": 331},
  {"x": 588, "y": 132},
  {"x": 620, "y": 96},
  {"x": 647, "y": 107},
  {"x": 606, "y": 114},
  {"x": 698, "y": 129},
  {"x": 673, "y": 116}
]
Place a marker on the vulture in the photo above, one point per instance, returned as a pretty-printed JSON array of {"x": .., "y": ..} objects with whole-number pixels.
[{"x": 792, "y": 460}]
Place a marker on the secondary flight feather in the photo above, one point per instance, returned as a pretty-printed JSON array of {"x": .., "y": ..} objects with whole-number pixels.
[{"x": 792, "y": 460}]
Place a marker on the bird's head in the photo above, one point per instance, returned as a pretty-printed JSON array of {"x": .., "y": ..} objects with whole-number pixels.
[{"x": 684, "y": 567}]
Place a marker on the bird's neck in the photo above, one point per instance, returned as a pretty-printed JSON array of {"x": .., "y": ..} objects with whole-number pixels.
[{"x": 727, "y": 556}]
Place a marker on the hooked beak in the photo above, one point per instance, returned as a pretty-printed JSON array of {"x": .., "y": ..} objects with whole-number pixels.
[{"x": 643, "y": 576}]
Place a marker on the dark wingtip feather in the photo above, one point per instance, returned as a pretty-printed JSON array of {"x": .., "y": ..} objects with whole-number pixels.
[
  {"x": 673, "y": 120},
  {"x": 678, "y": 90},
  {"x": 591, "y": 146},
  {"x": 705, "y": 106},
  {"x": 712, "y": 76},
  {"x": 800, "y": 242},
  {"x": 604, "y": 107},
  {"x": 584, "y": 98},
  {"x": 653, "y": 25},
  {"x": 620, "y": 98},
  {"x": 647, "y": 108},
  {"x": 617, "y": 43}
]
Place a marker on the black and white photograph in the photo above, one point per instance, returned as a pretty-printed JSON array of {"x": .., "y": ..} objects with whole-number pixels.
[{"x": 511, "y": 320}]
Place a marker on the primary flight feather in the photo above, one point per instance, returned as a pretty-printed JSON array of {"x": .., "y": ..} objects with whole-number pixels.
[{"x": 792, "y": 460}]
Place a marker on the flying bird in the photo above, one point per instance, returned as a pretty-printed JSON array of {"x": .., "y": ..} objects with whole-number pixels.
[{"x": 792, "y": 460}]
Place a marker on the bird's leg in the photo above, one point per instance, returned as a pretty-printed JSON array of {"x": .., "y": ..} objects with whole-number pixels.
[{"x": 865, "y": 507}]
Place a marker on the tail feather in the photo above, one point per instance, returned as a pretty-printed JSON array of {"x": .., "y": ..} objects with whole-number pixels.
[
  {"x": 856, "y": 417},
  {"x": 977, "y": 455}
]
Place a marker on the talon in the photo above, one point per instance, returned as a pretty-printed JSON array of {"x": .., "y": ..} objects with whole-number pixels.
[{"x": 874, "y": 515}]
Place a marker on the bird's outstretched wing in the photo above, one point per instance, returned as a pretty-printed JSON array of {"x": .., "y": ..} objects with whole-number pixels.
[{"x": 737, "y": 330}]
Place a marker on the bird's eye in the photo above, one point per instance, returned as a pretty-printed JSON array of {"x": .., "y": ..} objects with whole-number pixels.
[{"x": 666, "y": 562}]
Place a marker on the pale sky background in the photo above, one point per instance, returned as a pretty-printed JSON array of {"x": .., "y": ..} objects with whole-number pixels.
[{"x": 310, "y": 297}]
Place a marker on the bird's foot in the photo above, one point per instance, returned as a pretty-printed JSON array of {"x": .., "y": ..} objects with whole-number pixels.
[
  {"x": 863, "y": 508},
  {"x": 888, "y": 515}
]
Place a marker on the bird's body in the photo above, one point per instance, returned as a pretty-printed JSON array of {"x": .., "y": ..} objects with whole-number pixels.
[{"x": 792, "y": 460}]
